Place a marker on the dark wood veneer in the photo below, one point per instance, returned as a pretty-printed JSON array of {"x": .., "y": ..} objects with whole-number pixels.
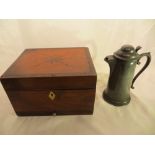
[{"x": 68, "y": 72}]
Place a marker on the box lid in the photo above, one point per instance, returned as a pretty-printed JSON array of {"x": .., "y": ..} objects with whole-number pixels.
[{"x": 51, "y": 68}]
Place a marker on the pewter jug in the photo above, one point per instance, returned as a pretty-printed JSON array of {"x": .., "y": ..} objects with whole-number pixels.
[{"x": 122, "y": 67}]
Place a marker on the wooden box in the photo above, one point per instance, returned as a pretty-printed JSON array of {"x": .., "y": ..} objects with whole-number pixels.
[{"x": 51, "y": 81}]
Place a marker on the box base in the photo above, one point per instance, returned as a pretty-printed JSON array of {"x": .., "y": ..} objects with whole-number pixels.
[{"x": 54, "y": 114}]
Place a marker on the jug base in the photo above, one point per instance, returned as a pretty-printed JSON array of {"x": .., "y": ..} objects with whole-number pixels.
[{"x": 115, "y": 102}]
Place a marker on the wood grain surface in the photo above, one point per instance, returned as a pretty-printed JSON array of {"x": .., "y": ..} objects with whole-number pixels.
[
  {"x": 65, "y": 102},
  {"x": 68, "y": 72}
]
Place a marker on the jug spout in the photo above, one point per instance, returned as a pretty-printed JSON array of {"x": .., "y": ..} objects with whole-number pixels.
[{"x": 110, "y": 60}]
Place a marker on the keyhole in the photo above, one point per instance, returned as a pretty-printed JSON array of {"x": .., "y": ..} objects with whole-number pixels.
[{"x": 51, "y": 95}]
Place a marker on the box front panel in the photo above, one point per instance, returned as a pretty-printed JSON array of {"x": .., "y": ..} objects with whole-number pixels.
[{"x": 52, "y": 102}]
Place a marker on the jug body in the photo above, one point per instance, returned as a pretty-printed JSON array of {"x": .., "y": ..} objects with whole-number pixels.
[
  {"x": 119, "y": 82},
  {"x": 122, "y": 68}
]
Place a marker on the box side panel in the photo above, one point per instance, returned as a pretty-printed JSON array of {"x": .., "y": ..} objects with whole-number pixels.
[
  {"x": 65, "y": 102},
  {"x": 42, "y": 83}
]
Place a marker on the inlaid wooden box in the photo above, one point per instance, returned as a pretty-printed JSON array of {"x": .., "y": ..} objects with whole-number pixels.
[{"x": 51, "y": 81}]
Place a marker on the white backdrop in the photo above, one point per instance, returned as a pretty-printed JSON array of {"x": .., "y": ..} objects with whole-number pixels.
[{"x": 103, "y": 37}]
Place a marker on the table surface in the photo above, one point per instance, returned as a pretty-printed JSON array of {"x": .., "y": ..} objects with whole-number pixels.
[{"x": 138, "y": 117}]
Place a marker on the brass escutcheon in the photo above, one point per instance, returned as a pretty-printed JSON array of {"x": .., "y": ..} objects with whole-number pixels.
[{"x": 51, "y": 95}]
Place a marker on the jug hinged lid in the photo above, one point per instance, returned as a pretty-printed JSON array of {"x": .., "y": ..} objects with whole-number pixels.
[{"x": 127, "y": 52}]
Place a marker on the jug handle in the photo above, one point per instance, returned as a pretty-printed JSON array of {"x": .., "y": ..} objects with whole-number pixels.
[{"x": 148, "y": 55}]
